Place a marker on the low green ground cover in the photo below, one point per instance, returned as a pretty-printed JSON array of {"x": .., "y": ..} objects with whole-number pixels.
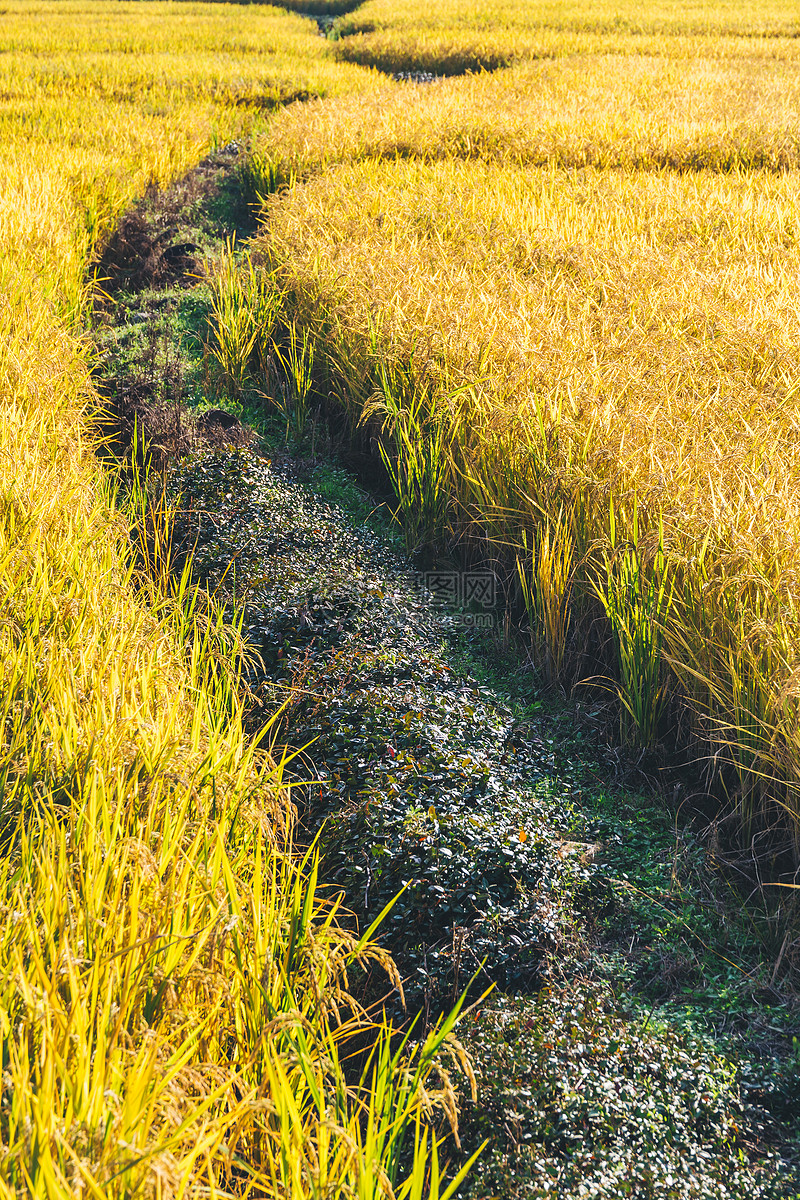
[
  {"x": 608, "y": 1055},
  {"x": 417, "y": 774}
]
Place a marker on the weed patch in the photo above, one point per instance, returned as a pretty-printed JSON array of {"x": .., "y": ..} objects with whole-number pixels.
[
  {"x": 627, "y": 1064},
  {"x": 593, "y": 1102}
]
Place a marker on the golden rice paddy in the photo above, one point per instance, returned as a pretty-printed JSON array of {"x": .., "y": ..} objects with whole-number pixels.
[
  {"x": 170, "y": 975},
  {"x": 456, "y": 36},
  {"x": 591, "y": 264},
  {"x": 586, "y": 264}
]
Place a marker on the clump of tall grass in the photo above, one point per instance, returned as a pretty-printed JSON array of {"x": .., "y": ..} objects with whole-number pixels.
[
  {"x": 244, "y": 345},
  {"x": 732, "y": 642},
  {"x": 297, "y": 362},
  {"x": 261, "y": 174},
  {"x": 637, "y": 597},
  {"x": 546, "y": 571},
  {"x": 244, "y": 307},
  {"x": 415, "y": 418}
]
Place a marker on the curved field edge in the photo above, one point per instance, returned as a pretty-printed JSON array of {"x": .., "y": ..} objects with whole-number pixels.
[
  {"x": 578, "y": 373},
  {"x": 456, "y": 37},
  {"x": 173, "y": 984}
]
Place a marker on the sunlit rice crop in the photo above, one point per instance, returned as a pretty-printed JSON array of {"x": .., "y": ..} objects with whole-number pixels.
[
  {"x": 600, "y": 338},
  {"x": 98, "y": 102},
  {"x": 455, "y": 36},
  {"x": 173, "y": 1006},
  {"x": 602, "y": 110}
]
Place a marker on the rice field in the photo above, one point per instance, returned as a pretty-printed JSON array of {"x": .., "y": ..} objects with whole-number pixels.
[
  {"x": 454, "y": 36},
  {"x": 605, "y": 110},
  {"x": 588, "y": 267},
  {"x": 99, "y": 101},
  {"x": 560, "y": 299},
  {"x": 172, "y": 978}
]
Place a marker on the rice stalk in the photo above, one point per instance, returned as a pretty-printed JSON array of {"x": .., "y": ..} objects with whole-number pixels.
[
  {"x": 244, "y": 307},
  {"x": 637, "y": 598},
  {"x": 406, "y": 402},
  {"x": 546, "y": 579},
  {"x": 297, "y": 361}
]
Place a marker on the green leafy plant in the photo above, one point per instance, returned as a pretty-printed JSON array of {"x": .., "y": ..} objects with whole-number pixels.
[{"x": 595, "y": 1102}]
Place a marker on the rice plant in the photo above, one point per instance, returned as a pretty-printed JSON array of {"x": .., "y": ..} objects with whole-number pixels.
[
  {"x": 297, "y": 361},
  {"x": 244, "y": 307},
  {"x": 546, "y": 576},
  {"x": 732, "y": 644},
  {"x": 260, "y": 175},
  {"x": 637, "y": 595},
  {"x": 457, "y": 36},
  {"x": 411, "y": 411}
]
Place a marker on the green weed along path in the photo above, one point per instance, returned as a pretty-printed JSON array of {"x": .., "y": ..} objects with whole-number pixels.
[{"x": 425, "y": 777}]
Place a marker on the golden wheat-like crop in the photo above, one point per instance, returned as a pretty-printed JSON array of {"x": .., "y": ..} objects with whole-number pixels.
[
  {"x": 601, "y": 110},
  {"x": 171, "y": 982},
  {"x": 655, "y": 313},
  {"x": 616, "y": 339},
  {"x": 458, "y": 35},
  {"x": 98, "y": 102}
]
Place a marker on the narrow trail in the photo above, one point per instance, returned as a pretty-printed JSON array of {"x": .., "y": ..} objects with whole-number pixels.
[{"x": 634, "y": 1044}]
